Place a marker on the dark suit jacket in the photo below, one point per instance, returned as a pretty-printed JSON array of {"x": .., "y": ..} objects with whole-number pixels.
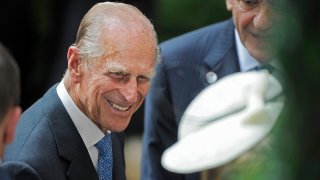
[
  {"x": 179, "y": 78},
  {"x": 3, "y": 175},
  {"x": 48, "y": 146}
]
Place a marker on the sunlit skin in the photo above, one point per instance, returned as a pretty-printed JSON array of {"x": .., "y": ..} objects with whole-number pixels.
[
  {"x": 111, "y": 89},
  {"x": 255, "y": 21}
]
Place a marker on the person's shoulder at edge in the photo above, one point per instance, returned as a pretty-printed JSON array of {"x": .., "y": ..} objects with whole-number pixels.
[
  {"x": 198, "y": 40},
  {"x": 197, "y": 34}
]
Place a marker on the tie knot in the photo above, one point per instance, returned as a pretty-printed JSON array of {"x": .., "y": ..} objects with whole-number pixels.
[
  {"x": 104, "y": 144},
  {"x": 268, "y": 67}
]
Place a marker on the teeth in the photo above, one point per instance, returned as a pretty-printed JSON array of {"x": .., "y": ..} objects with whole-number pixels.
[{"x": 120, "y": 108}]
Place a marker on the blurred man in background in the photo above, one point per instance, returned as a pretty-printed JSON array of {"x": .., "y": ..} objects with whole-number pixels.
[
  {"x": 195, "y": 60},
  {"x": 9, "y": 100}
]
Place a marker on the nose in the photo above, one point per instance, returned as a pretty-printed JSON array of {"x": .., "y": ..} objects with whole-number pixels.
[
  {"x": 130, "y": 91},
  {"x": 265, "y": 18}
]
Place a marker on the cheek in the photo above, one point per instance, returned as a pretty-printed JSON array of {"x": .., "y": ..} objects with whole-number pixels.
[
  {"x": 97, "y": 84},
  {"x": 243, "y": 20},
  {"x": 94, "y": 93},
  {"x": 144, "y": 89}
]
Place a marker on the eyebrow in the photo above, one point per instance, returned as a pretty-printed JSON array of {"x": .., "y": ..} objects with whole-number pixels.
[
  {"x": 150, "y": 75},
  {"x": 115, "y": 67}
]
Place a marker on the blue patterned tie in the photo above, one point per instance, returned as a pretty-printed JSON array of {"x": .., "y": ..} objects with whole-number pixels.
[
  {"x": 272, "y": 70},
  {"x": 105, "y": 158}
]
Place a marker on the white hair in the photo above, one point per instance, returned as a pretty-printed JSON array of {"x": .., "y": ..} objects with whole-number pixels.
[{"x": 88, "y": 39}]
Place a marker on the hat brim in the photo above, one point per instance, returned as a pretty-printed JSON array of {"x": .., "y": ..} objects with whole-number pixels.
[
  {"x": 221, "y": 141},
  {"x": 218, "y": 143}
]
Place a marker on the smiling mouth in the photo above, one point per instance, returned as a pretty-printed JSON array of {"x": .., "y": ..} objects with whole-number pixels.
[
  {"x": 118, "y": 107},
  {"x": 263, "y": 35}
]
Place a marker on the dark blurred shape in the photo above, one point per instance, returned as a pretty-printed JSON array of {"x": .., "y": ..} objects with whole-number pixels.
[
  {"x": 301, "y": 60},
  {"x": 20, "y": 33}
]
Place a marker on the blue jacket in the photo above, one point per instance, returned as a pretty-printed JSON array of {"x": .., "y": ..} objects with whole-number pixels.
[
  {"x": 48, "y": 146},
  {"x": 3, "y": 175},
  {"x": 190, "y": 62}
]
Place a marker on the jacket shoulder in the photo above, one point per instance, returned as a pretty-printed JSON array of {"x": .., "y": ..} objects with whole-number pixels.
[{"x": 195, "y": 44}]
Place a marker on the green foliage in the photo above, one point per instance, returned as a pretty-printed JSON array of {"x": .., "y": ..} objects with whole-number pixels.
[{"x": 175, "y": 17}]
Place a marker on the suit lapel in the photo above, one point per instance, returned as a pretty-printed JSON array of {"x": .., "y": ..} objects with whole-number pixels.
[
  {"x": 223, "y": 59},
  {"x": 69, "y": 143},
  {"x": 118, "y": 156}
]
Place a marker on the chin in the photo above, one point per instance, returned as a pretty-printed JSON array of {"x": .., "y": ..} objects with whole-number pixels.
[
  {"x": 119, "y": 126},
  {"x": 263, "y": 58},
  {"x": 118, "y": 129},
  {"x": 258, "y": 49},
  {"x": 260, "y": 55}
]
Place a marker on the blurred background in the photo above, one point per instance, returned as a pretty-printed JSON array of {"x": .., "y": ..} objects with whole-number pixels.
[{"x": 38, "y": 33}]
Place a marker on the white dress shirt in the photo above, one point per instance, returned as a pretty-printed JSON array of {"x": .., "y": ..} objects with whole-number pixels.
[
  {"x": 246, "y": 61},
  {"x": 89, "y": 132}
]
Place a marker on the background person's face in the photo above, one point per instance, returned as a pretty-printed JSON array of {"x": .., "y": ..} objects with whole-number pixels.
[{"x": 254, "y": 21}]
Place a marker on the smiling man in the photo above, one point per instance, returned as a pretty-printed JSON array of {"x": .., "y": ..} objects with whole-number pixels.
[
  {"x": 193, "y": 61},
  {"x": 74, "y": 131}
]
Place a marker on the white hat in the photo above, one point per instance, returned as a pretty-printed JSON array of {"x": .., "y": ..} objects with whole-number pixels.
[{"x": 225, "y": 120}]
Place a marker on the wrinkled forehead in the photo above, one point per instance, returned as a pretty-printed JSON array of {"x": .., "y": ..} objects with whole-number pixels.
[
  {"x": 126, "y": 41},
  {"x": 118, "y": 35}
]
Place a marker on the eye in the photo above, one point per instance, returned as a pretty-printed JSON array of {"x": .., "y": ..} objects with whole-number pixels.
[
  {"x": 250, "y": 2},
  {"x": 117, "y": 75},
  {"x": 143, "y": 79}
]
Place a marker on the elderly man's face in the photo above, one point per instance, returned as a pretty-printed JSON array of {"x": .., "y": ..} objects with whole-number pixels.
[
  {"x": 114, "y": 87},
  {"x": 255, "y": 22}
]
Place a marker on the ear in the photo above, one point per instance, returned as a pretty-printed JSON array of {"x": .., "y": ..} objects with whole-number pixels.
[
  {"x": 74, "y": 64},
  {"x": 229, "y": 4},
  {"x": 10, "y": 123}
]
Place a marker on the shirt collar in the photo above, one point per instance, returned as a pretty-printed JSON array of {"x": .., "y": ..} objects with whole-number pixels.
[
  {"x": 246, "y": 61},
  {"x": 89, "y": 132}
]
